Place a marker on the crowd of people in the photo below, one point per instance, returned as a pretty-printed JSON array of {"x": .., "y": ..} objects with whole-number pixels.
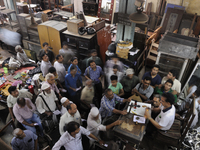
[{"x": 91, "y": 101}]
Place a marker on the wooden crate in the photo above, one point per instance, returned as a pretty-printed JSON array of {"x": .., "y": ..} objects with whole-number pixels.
[{"x": 74, "y": 24}]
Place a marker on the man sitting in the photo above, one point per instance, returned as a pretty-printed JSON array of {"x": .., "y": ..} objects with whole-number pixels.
[
  {"x": 24, "y": 140},
  {"x": 23, "y": 111},
  {"x": 155, "y": 77},
  {"x": 176, "y": 84},
  {"x": 166, "y": 117},
  {"x": 45, "y": 64},
  {"x": 129, "y": 82},
  {"x": 144, "y": 90},
  {"x": 64, "y": 101},
  {"x": 166, "y": 88},
  {"x": 72, "y": 114},
  {"x": 72, "y": 137},
  {"x": 116, "y": 86},
  {"x": 108, "y": 103}
]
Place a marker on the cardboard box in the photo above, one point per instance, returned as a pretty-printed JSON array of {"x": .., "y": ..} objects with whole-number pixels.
[
  {"x": 122, "y": 49},
  {"x": 74, "y": 24}
]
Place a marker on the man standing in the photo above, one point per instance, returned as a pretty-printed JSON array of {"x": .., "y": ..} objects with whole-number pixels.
[
  {"x": 176, "y": 84},
  {"x": 94, "y": 57},
  {"x": 60, "y": 69},
  {"x": 72, "y": 139},
  {"x": 129, "y": 82},
  {"x": 108, "y": 103},
  {"x": 64, "y": 101},
  {"x": 72, "y": 114},
  {"x": 48, "y": 52},
  {"x": 24, "y": 140},
  {"x": 144, "y": 90},
  {"x": 45, "y": 64},
  {"x": 67, "y": 54},
  {"x": 23, "y": 111},
  {"x": 155, "y": 77}
]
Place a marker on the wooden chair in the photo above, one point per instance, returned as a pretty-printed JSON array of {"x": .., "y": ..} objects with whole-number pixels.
[{"x": 175, "y": 136}]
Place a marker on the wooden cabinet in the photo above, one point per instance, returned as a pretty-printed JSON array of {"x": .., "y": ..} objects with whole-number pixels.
[
  {"x": 23, "y": 8},
  {"x": 90, "y": 8},
  {"x": 50, "y": 32}
]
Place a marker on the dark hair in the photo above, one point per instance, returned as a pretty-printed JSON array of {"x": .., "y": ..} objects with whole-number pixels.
[
  {"x": 42, "y": 55},
  {"x": 156, "y": 66},
  {"x": 71, "y": 127},
  {"x": 170, "y": 81},
  {"x": 93, "y": 50},
  {"x": 64, "y": 43},
  {"x": 107, "y": 90},
  {"x": 147, "y": 78},
  {"x": 91, "y": 61},
  {"x": 58, "y": 56},
  {"x": 45, "y": 43},
  {"x": 113, "y": 77},
  {"x": 114, "y": 56},
  {"x": 52, "y": 70},
  {"x": 116, "y": 67},
  {"x": 69, "y": 106},
  {"x": 169, "y": 97},
  {"x": 21, "y": 101},
  {"x": 72, "y": 67},
  {"x": 174, "y": 73},
  {"x": 73, "y": 58},
  {"x": 157, "y": 96},
  {"x": 11, "y": 89}
]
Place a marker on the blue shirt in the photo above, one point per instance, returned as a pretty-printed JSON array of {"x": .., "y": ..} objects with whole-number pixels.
[
  {"x": 71, "y": 82},
  {"x": 107, "y": 105},
  {"x": 156, "y": 80},
  {"x": 27, "y": 143},
  {"x": 94, "y": 75},
  {"x": 78, "y": 69}
]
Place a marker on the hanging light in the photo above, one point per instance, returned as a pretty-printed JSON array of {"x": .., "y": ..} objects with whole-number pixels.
[{"x": 139, "y": 17}]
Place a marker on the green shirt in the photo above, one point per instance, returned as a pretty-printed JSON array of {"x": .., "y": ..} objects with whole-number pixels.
[
  {"x": 160, "y": 92},
  {"x": 116, "y": 89}
]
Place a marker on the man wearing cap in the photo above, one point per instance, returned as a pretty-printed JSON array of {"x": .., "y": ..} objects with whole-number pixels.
[
  {"x": 47, "y": 100},
  {"x": 64, "y": 101},
  {"x": 72, "y": 114},
  {"x": 129, "y": 82}
]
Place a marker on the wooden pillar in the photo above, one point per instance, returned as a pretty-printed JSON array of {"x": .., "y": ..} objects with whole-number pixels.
[{"x": 124, "y": 31}]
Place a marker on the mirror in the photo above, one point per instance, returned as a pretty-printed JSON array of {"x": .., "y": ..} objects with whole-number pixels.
[{"x": 105, "y": 9}]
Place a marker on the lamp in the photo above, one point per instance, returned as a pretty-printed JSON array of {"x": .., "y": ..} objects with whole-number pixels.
[{"x": 139, "y": 17}]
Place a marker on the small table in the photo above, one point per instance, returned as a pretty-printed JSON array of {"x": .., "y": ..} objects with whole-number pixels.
[
  {"x": 63, "y": 14},
  {"x": 8, "y": 12}
]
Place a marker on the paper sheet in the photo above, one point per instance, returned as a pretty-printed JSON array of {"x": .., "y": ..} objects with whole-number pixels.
[
  {"x": 57, "y": 112},
  {"x": 139, "y": 119},
  {"x": 77, "y": 89}
]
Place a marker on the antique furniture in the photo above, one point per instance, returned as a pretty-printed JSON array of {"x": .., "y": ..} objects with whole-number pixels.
[
  {"x": 23, "y": 8},
  {"x": 8, "y": 13},
  {"x": 105, "y": 9},
  {"x": 74, "y": 24},
  {"x": 68, "y": 8},
  {"x": 31, "y": 46},
  {"x": 50, "y": 32},
  {"x": 90, "y": 8}
]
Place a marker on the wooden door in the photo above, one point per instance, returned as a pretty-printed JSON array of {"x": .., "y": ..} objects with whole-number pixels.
[{"x": 43, "y": 34}]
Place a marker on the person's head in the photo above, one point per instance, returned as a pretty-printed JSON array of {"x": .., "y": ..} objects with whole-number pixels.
[
  {"x": 155, "y": 69},
  {"x": 115, "y": 69},
  {"x": 115, "y": 58},
  {"x": 50, "y": 78},
  {"x": 45, "y": 45},
  {"x": 18, "y": 133},
  {"x": 72, "y": 128},
  {"x": 74, "y": 61},
  {"x": 53, "y": 71},
  {"x": 92, "y": 64},
  {"x": 173, "y": 74},
  {"x": 147, "y": 81},
  {"x": 109, "y": 94},
  {"x": 114, "y": 79},
  {"x": 93, "y": 53},
  {"x": 18, "y": 48},
  {"x": 167, "y": 99},
  {"x": 59, "y": 58},
  {"x": 64, "y": 101},
  {"x": 72, "y": 108},
  {"x": 46, "y": 88},
  {"x": 13, "y": 91},
  {"x": 156, "y": 100},
  {"x": 94, "y": 113},
  {"x": 129, "y": 73},
  {"x": 64, "y": 45},
  {"x": 88, "y": 83},
  {"x": 197, "y": 93},
  {"x": 21, "y": 102},
  {"x": 44, "y": 57},
  {"x": 73, "y": 70},
  {"x": 168, "y": 85}
]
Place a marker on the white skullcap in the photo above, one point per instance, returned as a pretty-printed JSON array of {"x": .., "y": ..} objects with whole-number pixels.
[
  {"x": 63, "y": 100},
  {"x": 129, "y": 71},
  {"x": 17, "y": 47},
  {"x": 94, "y": 111},
  {"x": 45, "y": 86}
]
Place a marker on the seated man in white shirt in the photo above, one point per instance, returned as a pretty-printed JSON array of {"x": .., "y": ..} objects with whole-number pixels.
[
  {"x": 173, "y": 74},
  {"x": 72, "y": 139},
  {"x": 64, "y": 101},
  {"x": 72, "y": 114},
  {"x": 165, "y": 119}
]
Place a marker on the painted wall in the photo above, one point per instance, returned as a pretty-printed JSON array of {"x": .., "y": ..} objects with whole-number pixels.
[{"x": 192, "y": 6}]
